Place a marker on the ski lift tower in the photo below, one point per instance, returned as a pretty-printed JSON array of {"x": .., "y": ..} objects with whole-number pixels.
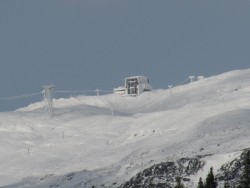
[
  {"x": 191, "y": 78},
  {"x": 48, "y": 99}
]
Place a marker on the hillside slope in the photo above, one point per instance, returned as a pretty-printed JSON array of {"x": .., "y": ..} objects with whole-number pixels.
[{"x": 209, "y": 118}]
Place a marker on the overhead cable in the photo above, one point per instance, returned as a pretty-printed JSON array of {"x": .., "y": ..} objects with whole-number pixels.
[{"x": 19, "y": 97}]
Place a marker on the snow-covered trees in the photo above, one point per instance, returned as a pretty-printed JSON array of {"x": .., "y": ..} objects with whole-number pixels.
[
  {"x": 210, "y": 181},
  {"x": 200, "y": 184}
]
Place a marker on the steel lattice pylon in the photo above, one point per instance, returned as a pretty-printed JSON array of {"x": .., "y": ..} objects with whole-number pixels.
[{"x": 48, "y": 99}]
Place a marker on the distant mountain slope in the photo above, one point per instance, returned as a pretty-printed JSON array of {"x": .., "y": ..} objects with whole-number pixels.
[{"x": 114, "y": 138}]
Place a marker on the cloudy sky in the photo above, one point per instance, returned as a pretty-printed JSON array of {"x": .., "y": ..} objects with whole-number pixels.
[{"x": 89, "y": 44}]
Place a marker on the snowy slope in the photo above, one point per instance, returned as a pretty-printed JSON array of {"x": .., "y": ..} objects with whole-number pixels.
[{"x": 210, "y": 116}]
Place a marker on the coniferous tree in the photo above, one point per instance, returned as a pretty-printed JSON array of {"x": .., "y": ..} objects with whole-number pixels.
[
  {"x": 178, "y": 183},
  {"x": 245, "y": 177},
  {"x": 200, "y": 183},
  {"x": 210, "y": 181}
]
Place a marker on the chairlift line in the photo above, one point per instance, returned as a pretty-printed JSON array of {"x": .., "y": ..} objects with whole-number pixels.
[
  {"x": 19, "y": 97},
  {"x": 106, "y": 90},
  {"x": 85, "y": 91},
  {"x": 74, "y": 91},
  {"x": 39, "y": 93}
]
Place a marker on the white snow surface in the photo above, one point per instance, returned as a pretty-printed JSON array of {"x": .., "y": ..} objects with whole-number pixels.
[{"x": 162, "y": 125}]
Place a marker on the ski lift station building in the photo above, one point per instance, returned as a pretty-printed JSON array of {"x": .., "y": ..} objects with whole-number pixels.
[{"x": 134, "y": 85}]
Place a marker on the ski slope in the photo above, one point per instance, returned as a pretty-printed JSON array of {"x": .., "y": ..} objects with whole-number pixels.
[{"x": 113, "y": 137}]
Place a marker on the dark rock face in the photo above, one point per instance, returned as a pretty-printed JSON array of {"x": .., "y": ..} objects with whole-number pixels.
[
  {"x": 164, "y": 174},
  {"x": 232, "y": 171}
]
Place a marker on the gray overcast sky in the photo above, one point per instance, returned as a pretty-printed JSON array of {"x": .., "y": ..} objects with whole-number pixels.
[{"x": 89, "y": 44}]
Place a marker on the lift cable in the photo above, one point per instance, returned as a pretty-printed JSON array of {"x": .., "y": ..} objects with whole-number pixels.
[
  {"x": 74, "y": 91},
  {"x": 39, "y": 93},
  {"x": 20, "y": 96},
  {"x": 85, "y": 91}
]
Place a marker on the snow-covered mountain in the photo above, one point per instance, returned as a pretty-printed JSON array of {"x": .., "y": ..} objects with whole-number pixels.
[{"x": 104, "y": 141}]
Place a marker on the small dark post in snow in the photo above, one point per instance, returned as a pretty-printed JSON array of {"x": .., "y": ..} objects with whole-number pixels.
[{"x": 28, "y": 151}]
